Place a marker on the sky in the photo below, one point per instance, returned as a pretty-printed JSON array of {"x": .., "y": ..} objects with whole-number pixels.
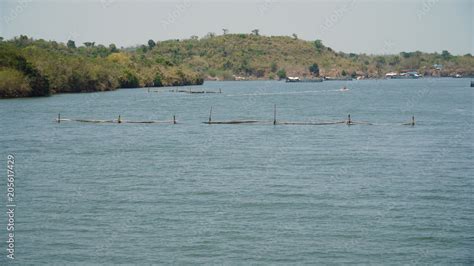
[{"x": 357, "y": 26}]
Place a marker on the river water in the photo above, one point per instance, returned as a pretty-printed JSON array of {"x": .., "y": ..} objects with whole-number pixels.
[{"x": 197, "y": 193}]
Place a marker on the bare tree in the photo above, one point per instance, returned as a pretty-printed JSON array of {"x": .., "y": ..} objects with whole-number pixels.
[{"x": 225, "y": 31}]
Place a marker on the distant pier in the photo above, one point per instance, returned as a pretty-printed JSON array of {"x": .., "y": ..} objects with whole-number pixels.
[
  {"x": 296, "y": 79},
  {"x": 190, "y": 91}
]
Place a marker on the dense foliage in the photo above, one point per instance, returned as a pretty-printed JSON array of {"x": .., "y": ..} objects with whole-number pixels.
[
  {"x": 18, "y": 77},
  {"x": 14, "y": 83},
  {"x": 38, "y": 68}
]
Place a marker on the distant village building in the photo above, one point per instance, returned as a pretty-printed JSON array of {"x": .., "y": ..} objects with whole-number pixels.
[
  {"x": 403, "y": 75},
  {"x": 239, "y": 77}
]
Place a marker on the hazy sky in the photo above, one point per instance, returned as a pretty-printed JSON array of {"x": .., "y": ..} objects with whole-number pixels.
[{"x": 374, "y": 27}]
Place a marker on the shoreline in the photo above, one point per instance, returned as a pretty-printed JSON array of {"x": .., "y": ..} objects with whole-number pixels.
[{"x": 249, "y": 80}]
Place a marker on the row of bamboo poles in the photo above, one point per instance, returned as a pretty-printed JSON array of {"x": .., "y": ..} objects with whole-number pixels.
[{"x": 347, "y": 121}]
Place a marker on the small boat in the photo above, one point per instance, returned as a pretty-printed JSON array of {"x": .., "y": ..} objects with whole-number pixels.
[
  {"x": 297, "y": 79},
  {"x": 344, "y": 89},
  {"x": 293, "y": 79}
]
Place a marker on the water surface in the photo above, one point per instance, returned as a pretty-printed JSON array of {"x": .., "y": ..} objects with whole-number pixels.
[{"x": 196, "y": 193}]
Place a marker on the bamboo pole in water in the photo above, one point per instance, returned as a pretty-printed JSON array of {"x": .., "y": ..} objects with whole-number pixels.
[
  {"x": 274, "y": 114},
  {"x": 411, "y": 123},
  {"x": 210, "y": 115}
]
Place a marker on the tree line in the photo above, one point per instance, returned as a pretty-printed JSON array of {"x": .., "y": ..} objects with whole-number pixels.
[{"x": 31, "y": 67}]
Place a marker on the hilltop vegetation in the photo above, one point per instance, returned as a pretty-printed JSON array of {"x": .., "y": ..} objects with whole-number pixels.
[
  {"x": 255, "y": 56},
  {"x": 37, "y": 67}
]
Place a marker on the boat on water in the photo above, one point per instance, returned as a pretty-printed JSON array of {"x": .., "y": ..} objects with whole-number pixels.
[
  {"x": 297, "y": 79},
  {"x": 344, "y": 89},
  {"x": 293, "y": 79}
]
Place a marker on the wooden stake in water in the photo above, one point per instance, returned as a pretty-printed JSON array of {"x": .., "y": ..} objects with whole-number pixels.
[
  {"x": 119, "y": 120},
  {"x": 274, "y": 114},
  {"x": 210, "y": 115},
  {"x": 59, "y": 117},
  {"x": 413, "y": 120},
  {"x": 174, "y": 119},
  {"x": 349, "y": 121}
]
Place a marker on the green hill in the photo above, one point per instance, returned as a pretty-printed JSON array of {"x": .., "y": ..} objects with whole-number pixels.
[{"x": 265, "y": 57}]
